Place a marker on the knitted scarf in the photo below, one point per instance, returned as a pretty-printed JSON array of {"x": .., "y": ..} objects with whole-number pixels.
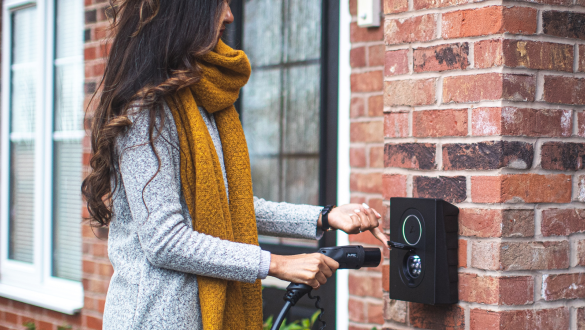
[{"x": 224, "y": 304}]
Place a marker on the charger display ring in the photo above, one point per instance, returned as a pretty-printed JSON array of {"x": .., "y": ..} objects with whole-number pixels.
[{"x": 411, "y": 230}]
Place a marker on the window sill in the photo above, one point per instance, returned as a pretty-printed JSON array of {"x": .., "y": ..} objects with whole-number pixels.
[{"x": 44, "y": 300}]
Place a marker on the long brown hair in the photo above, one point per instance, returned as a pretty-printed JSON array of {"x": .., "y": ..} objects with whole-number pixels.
[{"x": 154, "y": 52}]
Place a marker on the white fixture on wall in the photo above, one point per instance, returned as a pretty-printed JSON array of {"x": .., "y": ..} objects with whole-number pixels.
[{"x": 368, "y": 13}]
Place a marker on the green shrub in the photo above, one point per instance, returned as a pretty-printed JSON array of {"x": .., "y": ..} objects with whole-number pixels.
[{"x": 304, "y": 324}]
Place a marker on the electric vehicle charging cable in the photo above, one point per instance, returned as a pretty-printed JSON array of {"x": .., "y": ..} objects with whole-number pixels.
[{"x": 348, "y": 257}]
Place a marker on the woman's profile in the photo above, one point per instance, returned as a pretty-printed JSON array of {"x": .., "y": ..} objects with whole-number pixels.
[{"x": 170, "y": 177}]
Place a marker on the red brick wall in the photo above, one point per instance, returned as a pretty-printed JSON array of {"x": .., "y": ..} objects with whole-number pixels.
[
  {"x": 96, "y": 266},
  {"x": 97, "y": 269},
  {"x": 483, "y": 107},
  {"x": 367, "y": 162}
]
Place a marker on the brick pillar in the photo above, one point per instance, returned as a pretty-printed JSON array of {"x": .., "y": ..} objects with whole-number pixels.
[
  {"x": 483, "y": 107},
  {"x": 367, "y": 162},
  {"x": 97, "y": 269}
]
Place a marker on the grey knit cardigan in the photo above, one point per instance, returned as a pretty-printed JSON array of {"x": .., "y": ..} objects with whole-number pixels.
[{"x": 155, "y": 253}]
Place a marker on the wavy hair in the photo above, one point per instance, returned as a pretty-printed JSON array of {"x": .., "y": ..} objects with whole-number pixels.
[{"x": 154, "y": 52}]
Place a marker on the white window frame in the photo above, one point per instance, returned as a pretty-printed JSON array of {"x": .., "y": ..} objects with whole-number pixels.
[{"x": 34, "y": 283}]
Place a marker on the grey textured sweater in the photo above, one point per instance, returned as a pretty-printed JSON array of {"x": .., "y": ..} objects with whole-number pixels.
[{"x": 155, "y": 252}]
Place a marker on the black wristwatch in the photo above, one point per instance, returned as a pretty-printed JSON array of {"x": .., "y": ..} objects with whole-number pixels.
[{"x": 325, "y": 217}]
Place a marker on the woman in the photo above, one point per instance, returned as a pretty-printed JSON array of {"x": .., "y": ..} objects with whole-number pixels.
[{"x": 171, "y": 178}]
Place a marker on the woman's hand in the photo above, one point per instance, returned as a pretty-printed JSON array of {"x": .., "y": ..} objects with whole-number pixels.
[
  {"x": 356, "y": 218},
  {"x": 311, "y": 269}
]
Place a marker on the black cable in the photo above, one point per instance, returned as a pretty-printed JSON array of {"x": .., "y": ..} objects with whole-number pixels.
[
  {"x": 278, "y": 321},
  {"x": 323, "y": 323}
]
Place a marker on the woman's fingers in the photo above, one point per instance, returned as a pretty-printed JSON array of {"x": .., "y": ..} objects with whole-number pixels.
[
  {"x": 380, "y": 236},
  {"x": 322, "y": 279},
  {"x": 332, "y": 264}
]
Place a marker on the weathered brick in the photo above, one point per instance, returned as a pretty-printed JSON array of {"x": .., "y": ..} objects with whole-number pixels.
[
  {"x": 534, "y": 255},
  {"x": 451, "y": 189},
  {"x": 418, "y": 28},
  {"x": 365, "y": 285},
  {"x": 462, "y": 253},
  {"x": 536, "y": 122},
  {"x": 488, "y": 155},
  {"x": 480, "y": 222},
  {"x": 538, "y": 55},
  {"x": 563, "y": 156},
  {"x": 396, "y": 124},
  {"x": 525, "y": 319},
  {"x": 563, "y": 286},
  {"x": 366, "y": 182},
  {"x": 485, "y": 255},
  {"x": 488, "y": 53},
  {"x": 581, "y": 124},
  {"x": 509, "y": 256},
  {"x": 536, "y": 188},
  {"x": 581, "y": 311},
  {"x": 367, "y": 131},
  {"x": 580, "y": 252},
  {"x": 377, "y": 157},
  {"x": 396, "y": 62},
  {"x": 356, "y": 309},
  {"x": 425, "y": 4},
  {"x": 357, "y": 157},
  {"x": 553, "y": 2},
  {"x": 441, "y": 57},
  {"x": 564, "y": 24},
  {"x": 90, "y": 16},
  {"x": 359, "y": 34},
  {"x": 496, "y": 223},
  {"x": 375, "y": 313},
  {"x": 512, "y": 290},
  {"x": 394, "y": 310},
  {"x": 376, "y": 106},
  {"x": 581, "y": 188},
  {"x": 410, "y": 155},
  {"x": 371, "y": 81},
  {"x": 562, "y": 222},
  {"x": 357, "y": 57},
  {"x": 489, "y": 86},
  {"x": 436, "y": 123},
  {"x": 565, "y": 90},
  {"x": 450, "y": 317},
  {"x": 393, "y": 185},
  {"x": 357, "y": 107},
  {"x": 488, "y": 21},
  {"x": 581, "y": 64},
  {"x": 376, "y": 55},
  {"x": 395, "y": 6},
  {"x": 526, "y": 188},
  {"x": 353, "y": 10},
  {"x": 409, "y": 92},
  {"x": 486, "y": 121},
  {"x": 517, "y": 223}
]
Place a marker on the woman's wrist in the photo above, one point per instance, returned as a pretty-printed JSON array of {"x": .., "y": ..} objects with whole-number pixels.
[{"x": 275, "y": 261}]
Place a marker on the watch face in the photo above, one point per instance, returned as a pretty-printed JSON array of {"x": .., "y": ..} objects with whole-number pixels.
[{"x": 411, "y": 230}]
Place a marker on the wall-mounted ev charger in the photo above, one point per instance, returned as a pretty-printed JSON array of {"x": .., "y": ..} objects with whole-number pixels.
[{"x": 423, "y": 259}]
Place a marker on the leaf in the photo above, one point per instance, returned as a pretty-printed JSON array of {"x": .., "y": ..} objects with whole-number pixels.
[
  {"x": 306, "y": 323},
  {"x": 314, "y": 317}
]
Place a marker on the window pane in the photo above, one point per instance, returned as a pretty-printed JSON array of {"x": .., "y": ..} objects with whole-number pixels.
[
  {"x": 67, "y": 139},
  {"x": 281, "y": 104},
  {"x": 302, "y": 121},
  {"x": 304, "y": 30},
  {"x": 22, "y": 134},
  {"x": 263, "y": 29}
]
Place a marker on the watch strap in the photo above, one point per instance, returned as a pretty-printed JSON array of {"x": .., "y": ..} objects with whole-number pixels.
[{"x": 325, "y": 217}]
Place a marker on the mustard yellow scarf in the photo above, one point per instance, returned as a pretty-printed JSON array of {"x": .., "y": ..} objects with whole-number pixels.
[{"x": 224, "y": 304}]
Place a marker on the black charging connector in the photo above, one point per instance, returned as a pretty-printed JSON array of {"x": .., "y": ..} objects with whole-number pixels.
[{"x": 348, "y": 257}]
